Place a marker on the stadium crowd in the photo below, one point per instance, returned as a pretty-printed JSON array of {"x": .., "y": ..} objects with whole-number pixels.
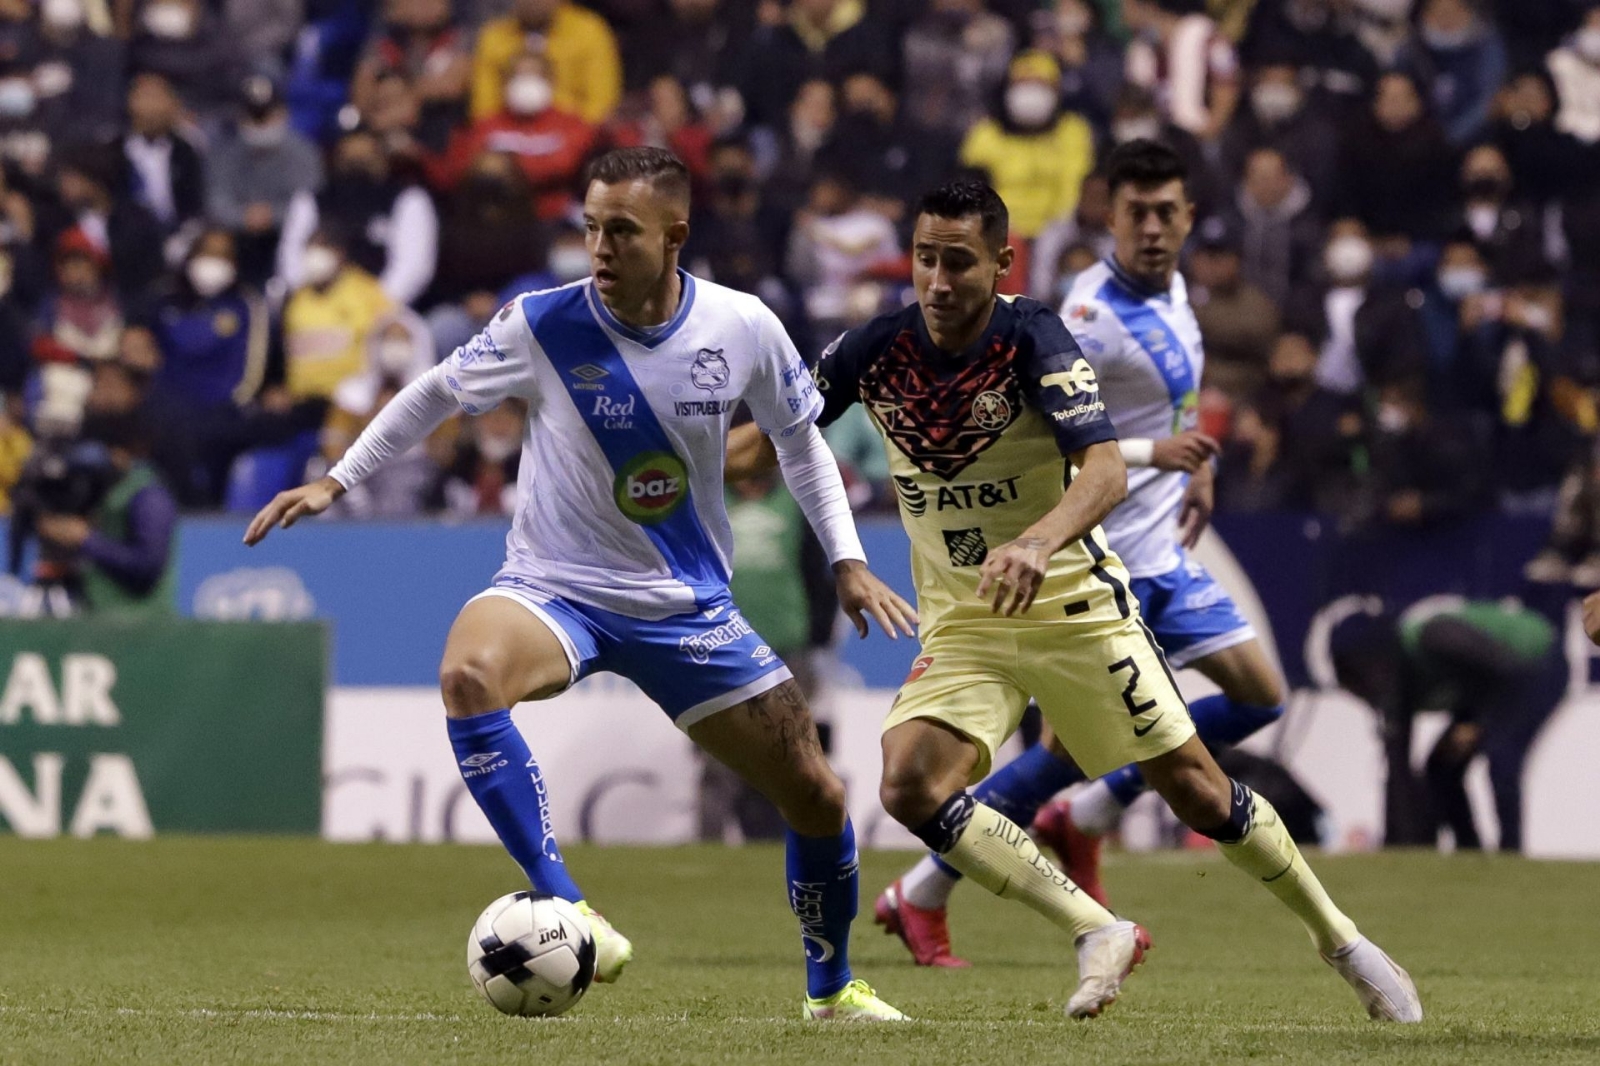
[{"x": 271, "y": 214}]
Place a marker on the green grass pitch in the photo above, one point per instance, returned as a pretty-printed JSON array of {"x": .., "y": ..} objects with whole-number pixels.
[{"x": 291, "y": 951}]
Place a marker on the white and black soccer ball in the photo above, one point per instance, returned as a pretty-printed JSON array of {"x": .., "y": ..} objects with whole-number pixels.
[{"x": 531, "y": 954}]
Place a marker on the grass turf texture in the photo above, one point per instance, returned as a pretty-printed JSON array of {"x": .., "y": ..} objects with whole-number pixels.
[{"x": 269, "y": 951}]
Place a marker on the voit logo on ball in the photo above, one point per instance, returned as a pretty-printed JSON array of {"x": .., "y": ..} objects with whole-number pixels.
[{"x": 651, "y": 486}]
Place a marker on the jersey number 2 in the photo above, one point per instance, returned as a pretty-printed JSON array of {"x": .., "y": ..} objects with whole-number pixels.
[{"x": 1129, "y": 696}]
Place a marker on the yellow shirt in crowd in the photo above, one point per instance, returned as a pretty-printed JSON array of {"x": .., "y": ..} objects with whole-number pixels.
[
  {"x": 325, "y": 333},
  {"x": 586, "y": 70},
  {"x": 1037, "y": 175}
]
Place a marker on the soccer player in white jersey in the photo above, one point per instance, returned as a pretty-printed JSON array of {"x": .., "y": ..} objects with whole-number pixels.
[
  {"x": 1131, "y": 317},
  {"x": 619, "y": 555}
]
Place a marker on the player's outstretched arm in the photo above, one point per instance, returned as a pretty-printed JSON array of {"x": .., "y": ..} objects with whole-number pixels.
[
  {"x": 415, "y": 412},
  {"x": 1187, "y": 451},
  {"x": 290, "y": 506},
  {"x": 812, "y": 476},
  {"x": 749, "y": 453},
  {"x": 1013, "y": 572}
]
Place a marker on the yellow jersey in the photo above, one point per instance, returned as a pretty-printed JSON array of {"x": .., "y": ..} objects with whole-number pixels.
[{"x": 977, "y": 443}]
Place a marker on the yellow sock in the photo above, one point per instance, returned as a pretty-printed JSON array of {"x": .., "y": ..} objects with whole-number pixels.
[
  {"x": 1268, "y": 854},
  {"x": 994, "y": 852}
]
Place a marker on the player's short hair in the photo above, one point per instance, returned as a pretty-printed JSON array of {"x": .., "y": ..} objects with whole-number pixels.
[
  {"x": 963, "y": 199},
  {"x": 657, "y": 166},
  {"x": 1144, "y": 163}
]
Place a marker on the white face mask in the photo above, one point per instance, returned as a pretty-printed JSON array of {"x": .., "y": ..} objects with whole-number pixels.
[
  {"x": 1483, "y": 219},
  {"x": 1348, "y": 258},
  {"x": 1587, "y": 42},
  {"x": 498, "y": 449},
  {"x": 569, "y": 263},
  {"x": 168, "y": 20},
  {"x": 321, "y": 263},
  {"x": 1392, "y": 418},
  {"x": 395, "y": 356},
  {"x": 61, "y": 15},
  {"x": 16, "y": 97},
  {"x": 1274, "y": 101},
  {"x": 1030, "y": 103},
  {"x": 1146, "y": 128},
  {"x": 1537, "y": 317},
  {"x": 528, "y": 94},
  {"x": 210, "y": 274},
  {"x": 1457, "y": 283}
]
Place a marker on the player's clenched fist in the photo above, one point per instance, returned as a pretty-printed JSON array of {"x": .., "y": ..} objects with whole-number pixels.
[
  {"x": 1014, "y": 571},
  {"x": 290, "y": 506}
]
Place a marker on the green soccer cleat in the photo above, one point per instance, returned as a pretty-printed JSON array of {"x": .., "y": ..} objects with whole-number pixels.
[
  {"x": 612, "y": 950},
  {"x": 855, "y": 1002}
]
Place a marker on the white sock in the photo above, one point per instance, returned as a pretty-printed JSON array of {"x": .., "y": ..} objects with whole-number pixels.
[
  {"x": 927, "y": 885},
  {"x": 1096, "y": 810}
]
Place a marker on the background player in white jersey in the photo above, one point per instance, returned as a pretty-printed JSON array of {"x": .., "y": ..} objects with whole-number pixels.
[
  {"x": 1131, "y": 315},
  {"x": 619, "y": 555}
]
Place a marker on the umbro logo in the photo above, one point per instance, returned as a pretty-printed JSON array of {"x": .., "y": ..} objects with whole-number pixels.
[
  {"x": 480, "y": 759},
  {"x": 589, "y": 372},
  {"x": 485, "y": 762},
  {"x": 713, "y": 612},
  {"x": 761, "y": 652}
]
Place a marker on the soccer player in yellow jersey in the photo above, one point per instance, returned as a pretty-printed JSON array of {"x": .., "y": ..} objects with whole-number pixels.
[{"x": 1005, "y": 463}]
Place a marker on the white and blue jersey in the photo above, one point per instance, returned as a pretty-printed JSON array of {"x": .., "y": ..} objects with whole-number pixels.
[
  {"x": 621, "y": 542},
  {"x": 1146, "y": 350}
]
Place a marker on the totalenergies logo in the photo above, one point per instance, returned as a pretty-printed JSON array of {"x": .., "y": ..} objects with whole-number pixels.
[{"x": 651, "y": 487}]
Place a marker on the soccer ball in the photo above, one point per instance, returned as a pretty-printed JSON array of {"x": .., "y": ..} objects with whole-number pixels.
[{"x": 531, "y": 954}]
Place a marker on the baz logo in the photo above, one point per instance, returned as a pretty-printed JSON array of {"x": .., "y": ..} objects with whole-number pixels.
[
  {"x": 983, "y": 494},
  {"x": 1080, "y": 378},
  {"x": 618, "y": 414},
  {"x": 651, "y": 487},
  {"x": 966, "y": 546},
  {"x": 991, "y": 410},
  {"x": 589, "y": 376},
  {"x": 911, "y": 495},
  {"x": 709, "y": 370}
]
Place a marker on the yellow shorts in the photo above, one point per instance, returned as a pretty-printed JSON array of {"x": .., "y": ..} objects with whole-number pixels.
[{"x": 1104, "y": 687}]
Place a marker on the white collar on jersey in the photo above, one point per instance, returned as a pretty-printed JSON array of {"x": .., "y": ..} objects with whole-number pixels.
[{"x": 654, "y": 335}]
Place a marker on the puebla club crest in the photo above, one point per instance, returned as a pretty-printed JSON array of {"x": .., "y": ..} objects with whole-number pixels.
[{"x": 709, "y": 370}]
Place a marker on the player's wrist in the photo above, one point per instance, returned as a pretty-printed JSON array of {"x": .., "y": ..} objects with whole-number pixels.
[
  {"x": 841, "y": 567},
  {"x": 333, "y": 485},
  {"x": 1137, "y": 451}
]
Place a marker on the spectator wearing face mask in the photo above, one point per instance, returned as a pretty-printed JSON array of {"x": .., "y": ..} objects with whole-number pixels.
[
  {"x": 79, "y": 77},
  {"x": 1179, "y": 55},
  {"x": 328, "y": 319},
  {"x": 1137, "y": 117},
  {"x": 809, "y": 39},
  {"x": 1461, "y": 276},
  {"x": 89, "y": 184},
  {"x": 1575, "y": 69},
  {"x": 185, "y": 42},
  {"x": 1394, "y": 161},
  {"x": 1091, "y": 62},
  {"x": 585, "y": 68},
  {"x": 878, "y": 149},
  {"x": 213, "y": 332},
  {"x": 1281, "y": 115},
  {"x": 1425, "y": 470},
  {"x": 1459, "y": 53},
  {"x": 399, "y": 350},
  {"x": 1035, "y": 155},
  {"x": 480, "y": 478},
  {"x": 82, "y": 315},
  {"x": 387, "y": 222},
  {"x": 253, "y": 175},
  {"x": 548, "y": 144},
  {"x": 1513, "y": 232},
  {"x": 1369, "y": 333}
]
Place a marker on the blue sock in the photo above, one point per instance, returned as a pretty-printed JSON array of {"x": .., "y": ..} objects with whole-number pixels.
[
  {"x": 502, "y": 776},
  {"x": 1218, "y": 720},
  {"x": 1020, "y": 787},
  {"x": 824, "y": 878}
]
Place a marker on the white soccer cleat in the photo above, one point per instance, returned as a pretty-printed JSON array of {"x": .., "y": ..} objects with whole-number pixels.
[
  {"x": 612, "y": 950},
  {"x": 1106, "y": 957},
  {"x": 1383, "y": 987}
]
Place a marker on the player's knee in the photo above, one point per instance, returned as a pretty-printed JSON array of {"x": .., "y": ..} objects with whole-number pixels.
[
  {"x": 908, "y": 795},
  {"x": 817, "y": 806},
  {"x": 468, "y": 686}
]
